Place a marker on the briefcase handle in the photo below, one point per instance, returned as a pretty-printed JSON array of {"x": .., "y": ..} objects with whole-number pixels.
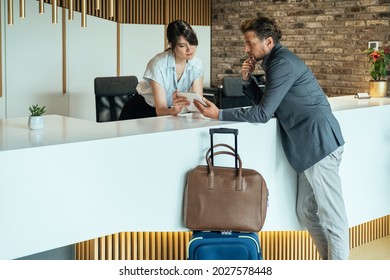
[
  {"x": 210, "y": 151},
  {"x": 238, "y": 169}
]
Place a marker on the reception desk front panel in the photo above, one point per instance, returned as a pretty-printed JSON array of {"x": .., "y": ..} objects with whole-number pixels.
[{"x": 76, "y": 180}]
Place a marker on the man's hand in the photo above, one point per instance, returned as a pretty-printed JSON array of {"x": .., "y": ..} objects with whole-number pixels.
[
  {"x": 248, "y": 66},
  {"x": 210, "y": 110}
]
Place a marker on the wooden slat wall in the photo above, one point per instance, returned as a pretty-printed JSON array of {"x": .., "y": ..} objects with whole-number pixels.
[
  {"x": 276, "y": 245},
  {"x": 195, "y": 12},
  {"x": 135, "y": 246}
]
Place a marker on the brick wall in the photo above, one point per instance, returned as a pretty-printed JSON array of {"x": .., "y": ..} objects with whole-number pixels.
[{"x": 328, "y": 35}]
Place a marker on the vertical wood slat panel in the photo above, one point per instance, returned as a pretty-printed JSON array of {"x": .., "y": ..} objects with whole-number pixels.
[
  {"x": 108, "y": 247},
  {"x": 77, "y": 251},
  {"x": 94, "y": 249},
  {"x": 134, "y": 247},
  {"x": 128, "y": 246},
  {"x": 147, "y": 11},
  {"x": 118, "y": 49},
  {"x": 122, "y": 246},
  {"x": 146, "y": 245},
  {"x": 152, "y": 250},
  {"x": 102, "y": 248},
  {"x": 115, "y": 246},
  {"x": 140, "y": 245},
  {"x": 158, "y": 246},
  {"x": 64, "y": 51},
  {"x": 164, "y": 249},
  {"x": 276, "y": 245}
]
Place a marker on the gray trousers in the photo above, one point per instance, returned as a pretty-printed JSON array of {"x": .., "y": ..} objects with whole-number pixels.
[{"x": 321, "y": 209}]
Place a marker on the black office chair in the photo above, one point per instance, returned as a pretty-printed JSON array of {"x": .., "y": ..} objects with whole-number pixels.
[
  {"x": 212, "y": 94},
  {"x": 111, "y": 93},
  {"x": 232, "y": 95}
]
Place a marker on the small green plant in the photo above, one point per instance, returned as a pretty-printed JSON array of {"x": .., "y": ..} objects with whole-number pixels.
[{"x": 35, "y": 110}]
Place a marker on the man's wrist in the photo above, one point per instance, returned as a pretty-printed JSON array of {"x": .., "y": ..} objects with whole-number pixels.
[
  {"x": 246, "y": 83},
  {"x": 220, "y": 114}
]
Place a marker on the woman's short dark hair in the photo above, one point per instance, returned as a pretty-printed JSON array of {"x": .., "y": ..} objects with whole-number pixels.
[
  {"x": 263, "y": 27},
  {"x": 179, "y": 28}
]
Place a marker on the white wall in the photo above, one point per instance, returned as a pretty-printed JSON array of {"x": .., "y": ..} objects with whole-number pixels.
[
  {"x": 91, "y": 53},
  {"x": 32, "y": 59},
  {"x": 139, "y": 44},
  {"x": 33, "y": 62}
]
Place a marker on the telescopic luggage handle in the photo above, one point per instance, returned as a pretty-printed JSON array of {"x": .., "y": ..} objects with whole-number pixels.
[{"x": 224, "y": 131}]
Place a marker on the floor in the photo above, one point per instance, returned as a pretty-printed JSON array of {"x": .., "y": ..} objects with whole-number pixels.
[{"x": 378, "y": 249}]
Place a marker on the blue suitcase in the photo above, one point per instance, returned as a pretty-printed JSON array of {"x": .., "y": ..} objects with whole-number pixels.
[{"x": 217, "y": 245}]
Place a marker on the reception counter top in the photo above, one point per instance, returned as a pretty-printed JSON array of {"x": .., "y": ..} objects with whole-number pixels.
[
  {"x": 65, "y": 130},
  {"x": 76, "y": 180}
]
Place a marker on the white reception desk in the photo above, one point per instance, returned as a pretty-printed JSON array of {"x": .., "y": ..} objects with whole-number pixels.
[{"x": 76, "y": 180}]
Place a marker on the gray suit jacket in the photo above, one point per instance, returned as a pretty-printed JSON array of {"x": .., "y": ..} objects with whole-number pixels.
[{"x": 309, "y": 130}]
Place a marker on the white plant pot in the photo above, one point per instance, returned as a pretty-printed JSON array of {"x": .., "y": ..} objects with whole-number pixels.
[{"x": 36, "y": 122}]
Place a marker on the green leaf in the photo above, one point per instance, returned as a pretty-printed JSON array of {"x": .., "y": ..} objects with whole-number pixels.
[{"x": 36, "y": 110}]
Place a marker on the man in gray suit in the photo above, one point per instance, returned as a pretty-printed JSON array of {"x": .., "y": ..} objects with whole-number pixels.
[{"x": 311, "y": 136}]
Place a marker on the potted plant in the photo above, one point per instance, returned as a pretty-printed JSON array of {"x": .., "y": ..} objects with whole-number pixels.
[
  {"x": 36, "y": 120},
  {"x": 379, "y": 60}
]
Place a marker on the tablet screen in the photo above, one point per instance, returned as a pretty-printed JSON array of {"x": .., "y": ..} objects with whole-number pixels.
[{"x": 191, "y": 96}]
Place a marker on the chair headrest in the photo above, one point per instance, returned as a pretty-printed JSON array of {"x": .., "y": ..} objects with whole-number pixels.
[
  {"x": 232, "y": 86},
  {"x": 115, "y": 86}
]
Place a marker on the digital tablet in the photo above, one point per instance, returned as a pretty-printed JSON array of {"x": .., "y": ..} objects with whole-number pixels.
[{"x": 191, "y": 96}]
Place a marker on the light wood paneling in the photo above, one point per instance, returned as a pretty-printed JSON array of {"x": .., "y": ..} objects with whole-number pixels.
[
  {"x": 195, "y": 12},
  {"x": 276, "y": 245}
]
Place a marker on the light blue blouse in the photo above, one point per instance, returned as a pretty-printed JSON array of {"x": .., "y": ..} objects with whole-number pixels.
[{"x": 162, "y": 70}]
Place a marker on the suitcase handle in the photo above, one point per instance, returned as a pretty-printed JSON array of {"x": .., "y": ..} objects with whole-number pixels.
[{"x": 223, "y": 130}]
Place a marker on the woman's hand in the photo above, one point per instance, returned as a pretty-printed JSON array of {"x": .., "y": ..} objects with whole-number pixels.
[
  {"x": 247, "y": 67},
  {"x": 178, "y": 103},
  {"x": 210, "y": 110}
]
